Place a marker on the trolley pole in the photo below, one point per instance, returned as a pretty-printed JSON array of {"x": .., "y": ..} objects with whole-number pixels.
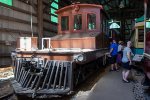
[{"x": 145, "y": 14}]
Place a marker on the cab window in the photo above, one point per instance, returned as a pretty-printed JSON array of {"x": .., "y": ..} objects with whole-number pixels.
[
  {"x": 141, "y": 35},
  {"x": 64, "y": 23},
  {"x": 78, "y": 22},
  {"x": 91, "y": 21}
]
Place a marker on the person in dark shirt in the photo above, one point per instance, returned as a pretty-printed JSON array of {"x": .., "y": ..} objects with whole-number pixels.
[{"x": 113, "y": 53}]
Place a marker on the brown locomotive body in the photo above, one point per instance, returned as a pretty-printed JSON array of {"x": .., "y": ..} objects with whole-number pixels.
[
  {"x": 147, "y": 59},
  {"x": 66, "y": 59}
]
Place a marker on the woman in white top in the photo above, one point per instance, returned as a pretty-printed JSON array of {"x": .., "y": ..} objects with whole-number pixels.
[
  {"x": 119, "y": 56},
  {"x": 126, "y": 62},
  {"x": 120, "y": 46}
]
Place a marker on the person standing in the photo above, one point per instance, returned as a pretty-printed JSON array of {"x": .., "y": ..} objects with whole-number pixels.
[
  {"x": 120, "y": 52},
  {"x": 113, "y": 53},
  {"x": 126, "y": 62}
]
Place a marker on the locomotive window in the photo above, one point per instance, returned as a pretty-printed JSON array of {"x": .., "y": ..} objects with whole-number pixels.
[
  {"x": 91, "y": 19},
  {"x": 141, "y": 35},
  {"x": 78, "y": 22},
  {"x": 64, "y": 23}
]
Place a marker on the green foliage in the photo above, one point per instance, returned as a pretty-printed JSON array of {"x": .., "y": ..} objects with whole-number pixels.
[
  {"x": 54, "y": 19},
  {"x": 55, "y": 5},
  {"x": 148, "y": 24},
  {"x": 52, "y": 11},
  {"x": 8, "y": 2}
]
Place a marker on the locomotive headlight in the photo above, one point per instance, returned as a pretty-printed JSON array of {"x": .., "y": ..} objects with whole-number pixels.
[{"x": 79, "y": 57}]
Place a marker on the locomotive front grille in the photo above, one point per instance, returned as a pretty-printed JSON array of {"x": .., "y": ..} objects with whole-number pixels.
[{"x": 54, "y": 77}]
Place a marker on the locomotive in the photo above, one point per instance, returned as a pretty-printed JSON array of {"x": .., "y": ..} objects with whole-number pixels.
[
  {"x": 66, "y": 59},
  {"x": 138, "y": 35},
  {"x": 138, "y": 42},
  {"x": 147, "y": 55},
  {"x": 147, "y": 60}
]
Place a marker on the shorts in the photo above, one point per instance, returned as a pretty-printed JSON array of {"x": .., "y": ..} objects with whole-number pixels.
[
  {"x": 113, "y": 59},
  {"x": 126, "y": 65},
  {"x": 119, "y": 57}
]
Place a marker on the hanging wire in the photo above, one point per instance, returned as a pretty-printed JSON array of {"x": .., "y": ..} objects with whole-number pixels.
[{"x": 31, "y": 1}]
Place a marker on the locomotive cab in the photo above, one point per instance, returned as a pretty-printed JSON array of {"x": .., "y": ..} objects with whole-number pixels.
[
  {"x": 79, "y": 18},
  {"x": 138, "y": 38},
  {"x": 81, "y": 26},
  {"x": 147, "y": 56}
]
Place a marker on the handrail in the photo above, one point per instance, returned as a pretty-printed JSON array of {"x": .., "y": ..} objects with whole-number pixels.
[{"x": 147, "y": 55}]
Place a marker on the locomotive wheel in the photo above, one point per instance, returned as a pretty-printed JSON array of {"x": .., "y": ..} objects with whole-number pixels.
[
  {"x": 19, "y": 97},
  {"x": 23, "y": 97},
  {"x": 79, "y": 75},
  {"x": 99, "y": 62},
  {"x": 145, "y": 81},
  {"x": 82, "y": 72}
]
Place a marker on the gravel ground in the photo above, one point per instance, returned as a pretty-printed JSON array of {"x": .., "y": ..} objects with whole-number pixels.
[{"x": 140, "y": 92}]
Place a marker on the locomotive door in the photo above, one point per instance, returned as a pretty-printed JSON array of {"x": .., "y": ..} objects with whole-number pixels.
[{"x": 139, "y": 37}]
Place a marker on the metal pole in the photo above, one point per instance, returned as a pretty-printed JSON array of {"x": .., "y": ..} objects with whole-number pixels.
[
  {"x": 40, "y": 22},
  {"x": 145, "y": 13},
  {"x": 31, "y": 17}
]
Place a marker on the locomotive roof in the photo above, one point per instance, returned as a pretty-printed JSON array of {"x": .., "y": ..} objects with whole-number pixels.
[
  {"x": 75, "y": 35},
  {"x": 80, "y": 5}
]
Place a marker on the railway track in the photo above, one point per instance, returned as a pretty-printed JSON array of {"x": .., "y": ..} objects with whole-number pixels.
[
  {"x": 7, "y": 96},
  {"x": 8, "y": 93}
]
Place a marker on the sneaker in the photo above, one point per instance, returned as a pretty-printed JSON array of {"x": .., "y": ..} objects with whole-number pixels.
[
  {"x": 111, "y": 70},
  {"x": 117, "y": 69},
  {"x": 125, "y": 81}
]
